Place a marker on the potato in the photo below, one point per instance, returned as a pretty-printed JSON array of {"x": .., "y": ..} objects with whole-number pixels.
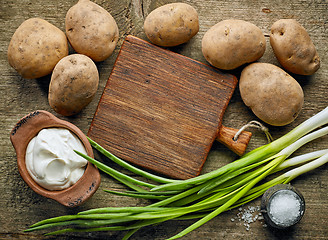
[
  {"x": 91, "y": 30},
  {"x": 73, "y": 84},
  {"x": 232, "y": 43},
  {"x": 171, "y": 24},
  {"x": 293, "y": 47},
  {"x": 36, "y": 47},
  {"x": 272, "y": 94}
]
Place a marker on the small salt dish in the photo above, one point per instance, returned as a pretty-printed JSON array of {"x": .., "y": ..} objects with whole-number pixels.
[
  {"x": 25, "y": 130},
  {"x": 282, "y": 206}
]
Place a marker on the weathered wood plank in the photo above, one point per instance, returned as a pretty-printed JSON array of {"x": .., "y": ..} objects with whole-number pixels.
[
  {"x": 20, "y": 206},
  {"x": 161, "y": 110}
]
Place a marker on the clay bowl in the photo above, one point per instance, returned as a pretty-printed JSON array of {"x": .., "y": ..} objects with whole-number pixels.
[{"x": 27, "y": 128}]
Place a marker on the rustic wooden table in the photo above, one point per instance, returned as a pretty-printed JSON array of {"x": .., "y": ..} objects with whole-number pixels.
[{"x": 20, "y": 206}]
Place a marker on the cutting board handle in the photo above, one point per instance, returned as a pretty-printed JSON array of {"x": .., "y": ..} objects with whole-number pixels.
[{"x": 225, "y": 136}]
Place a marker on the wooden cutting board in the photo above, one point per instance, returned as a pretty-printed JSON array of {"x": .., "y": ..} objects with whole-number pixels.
[{"x": 163, "y": 111}]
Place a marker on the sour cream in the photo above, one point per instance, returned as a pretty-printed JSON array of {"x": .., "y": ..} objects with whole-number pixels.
[{"x": 51, "y": 161}]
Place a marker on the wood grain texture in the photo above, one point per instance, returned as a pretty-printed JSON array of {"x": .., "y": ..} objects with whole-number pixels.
[
  {"x": 20, "y": 206},
  {"x": 227, "y": 136},
  {"x": 161, "y": 110}
]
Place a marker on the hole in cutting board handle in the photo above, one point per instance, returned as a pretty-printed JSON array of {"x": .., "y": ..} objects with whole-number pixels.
[{"x": 225, "y": 136}]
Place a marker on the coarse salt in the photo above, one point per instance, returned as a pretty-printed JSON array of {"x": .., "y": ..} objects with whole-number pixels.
[
  {"x": 285, "y": 207},
  {"x": 248, "y": 215}
]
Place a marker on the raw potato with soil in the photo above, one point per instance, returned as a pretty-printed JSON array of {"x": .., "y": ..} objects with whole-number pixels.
[
  {"x": 232, "y": 43},
  {"x": 73, "y": 84},
  {"x": 293, "y": 47},
  {"x": 91, "y": 30},
  {"x": 172, "y": 24},
  {"x": 272, "y": 94},
  {"x": 36, "y": 47}
]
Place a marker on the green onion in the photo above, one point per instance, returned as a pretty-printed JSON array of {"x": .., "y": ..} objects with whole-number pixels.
[
  {"x": 203, "y": 197},
  {"x": 127, "y": 165}
]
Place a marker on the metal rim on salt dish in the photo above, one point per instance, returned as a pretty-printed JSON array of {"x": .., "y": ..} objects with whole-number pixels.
[{"x": 267, "y": 199}]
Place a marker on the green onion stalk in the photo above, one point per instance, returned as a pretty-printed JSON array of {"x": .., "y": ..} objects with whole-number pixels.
[{"x": 203, "y": 197}]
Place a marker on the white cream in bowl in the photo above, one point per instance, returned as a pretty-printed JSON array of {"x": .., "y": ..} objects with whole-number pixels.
[{"x": 51, "y": 161}]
